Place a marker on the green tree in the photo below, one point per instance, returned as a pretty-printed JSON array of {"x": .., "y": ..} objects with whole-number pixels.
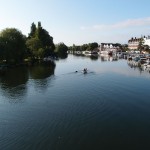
[
  {"x": 34, "y": 44},
  {"x": 39, "y": 35},
  {"x": 61, "y": 49},
  {"x": 146, "y": 48},
  {"x": 12, "y": 44},
  {"x": 33, "y": 30},
  {"x": 92, "y": 46},
  {"x": 1, "y": 49},
  {"x": 74, "y": 47},
  {"x": 124, "y": 47},
  {"x": 141, "y": 45},
  {"x": 46, "y": 40}
]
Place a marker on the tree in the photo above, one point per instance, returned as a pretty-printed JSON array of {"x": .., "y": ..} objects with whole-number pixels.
[
  {"x": 84, "y": 47},
  {"x": 12, "y": 43},
  {"x": 141, "y": 46},
  {"x": 92, "y": 46},
  {"x": 39, "y": 35},
  {"x": 33, "y": 30},
  {"x": 124, "y": 47},
  {"x": 146, "y": 48},
  {"x": 34, "y": 44},
  {"x": 1, "y": 49},
  {"x": 61, "y": 50},
  {"x": 45, "y": 38}
]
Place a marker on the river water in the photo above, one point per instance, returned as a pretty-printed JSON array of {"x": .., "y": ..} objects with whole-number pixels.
[{"x": 60, "y": 108}]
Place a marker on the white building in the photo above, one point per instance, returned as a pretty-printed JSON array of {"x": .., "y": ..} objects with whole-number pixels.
[
  {"x": 147, "y": 40},
  {"x": 133, "y": 43},
  {"x": 110, "y": 47}
]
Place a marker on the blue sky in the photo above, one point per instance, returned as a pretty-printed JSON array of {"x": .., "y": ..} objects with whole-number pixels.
[{"x": 79, "y": 21}]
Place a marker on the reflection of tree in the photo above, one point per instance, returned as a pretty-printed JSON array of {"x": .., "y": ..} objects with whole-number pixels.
[
  {"x": 108, "y": 58},
  {"x": 102, "y": 58},
  {"x": 15, "y": 77},
  {"x": 15, "y": 94},
  {"x": 41, "y": 85},
  {"x": 41, "y": 75},
  {"x": 13, "y": 84},
  {"x": 94, "y": 57},
  {"x": 41, "y": 71},
  {"x": 63, "y": 56},
  {"x": 139, "y": 68},
  {"x": 79, "y": 55}
]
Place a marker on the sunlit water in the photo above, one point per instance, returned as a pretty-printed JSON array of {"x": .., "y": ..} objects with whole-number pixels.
[{"x": 46, "y": 108}]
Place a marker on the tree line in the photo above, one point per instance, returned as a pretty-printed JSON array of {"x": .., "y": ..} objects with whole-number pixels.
[
  {"x": 94, "y": 47},
  {"x": 16, "y": 47},
  {"x": 91, "y": 47}
]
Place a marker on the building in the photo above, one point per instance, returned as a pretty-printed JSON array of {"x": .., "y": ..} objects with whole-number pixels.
[
  {"x": 110, "y": 47},
  {"x": 133, "y": 43},
  {"x": 146, "y": 40}
]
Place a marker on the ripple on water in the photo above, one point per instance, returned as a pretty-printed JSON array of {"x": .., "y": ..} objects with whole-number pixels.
[{"x": 77, "y": 111}]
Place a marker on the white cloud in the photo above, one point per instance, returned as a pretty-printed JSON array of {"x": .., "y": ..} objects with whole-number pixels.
[
  {"x": 84, "y": 28},
  {"x": 120, "y": 25}
]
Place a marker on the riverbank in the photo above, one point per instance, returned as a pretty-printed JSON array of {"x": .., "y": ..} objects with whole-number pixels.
[{"x": 27, "y": 63}]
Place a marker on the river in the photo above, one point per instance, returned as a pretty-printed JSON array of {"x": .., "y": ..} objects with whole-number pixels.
[{"x": 60, "y": 108}]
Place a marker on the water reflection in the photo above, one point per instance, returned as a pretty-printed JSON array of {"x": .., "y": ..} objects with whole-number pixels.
[
  {"x": 91, "y": 56},
  {"x": 14, "y": 84},
  {"x": 41, "y": 71},
  {"x": 14, "y": 77},
  {"x": 81, "y": 111},
  {"x": 42, "y": 75},
  {"x": 63, "y": 56},
  {"x": 141, "y": 69},
  {"x": 108, "y": 58},
  {"x": 94, "y": 57}
]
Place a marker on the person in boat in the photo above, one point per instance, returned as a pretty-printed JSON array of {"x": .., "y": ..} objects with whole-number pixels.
[{"x": 85, "y": 70}]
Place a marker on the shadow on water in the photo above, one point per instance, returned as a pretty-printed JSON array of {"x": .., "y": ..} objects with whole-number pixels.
[
  {"x": 14, "y": 84},
  {"x": 94, "y": 57},
  {"x": 41, "y": 76},
  {"x": 108, "y": 58},
  {"x": 63, "y": 56},
  {"x": 41, "y": 71}
]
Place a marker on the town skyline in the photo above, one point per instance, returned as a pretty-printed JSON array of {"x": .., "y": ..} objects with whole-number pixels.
[{"x": 79, "y": 22}]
